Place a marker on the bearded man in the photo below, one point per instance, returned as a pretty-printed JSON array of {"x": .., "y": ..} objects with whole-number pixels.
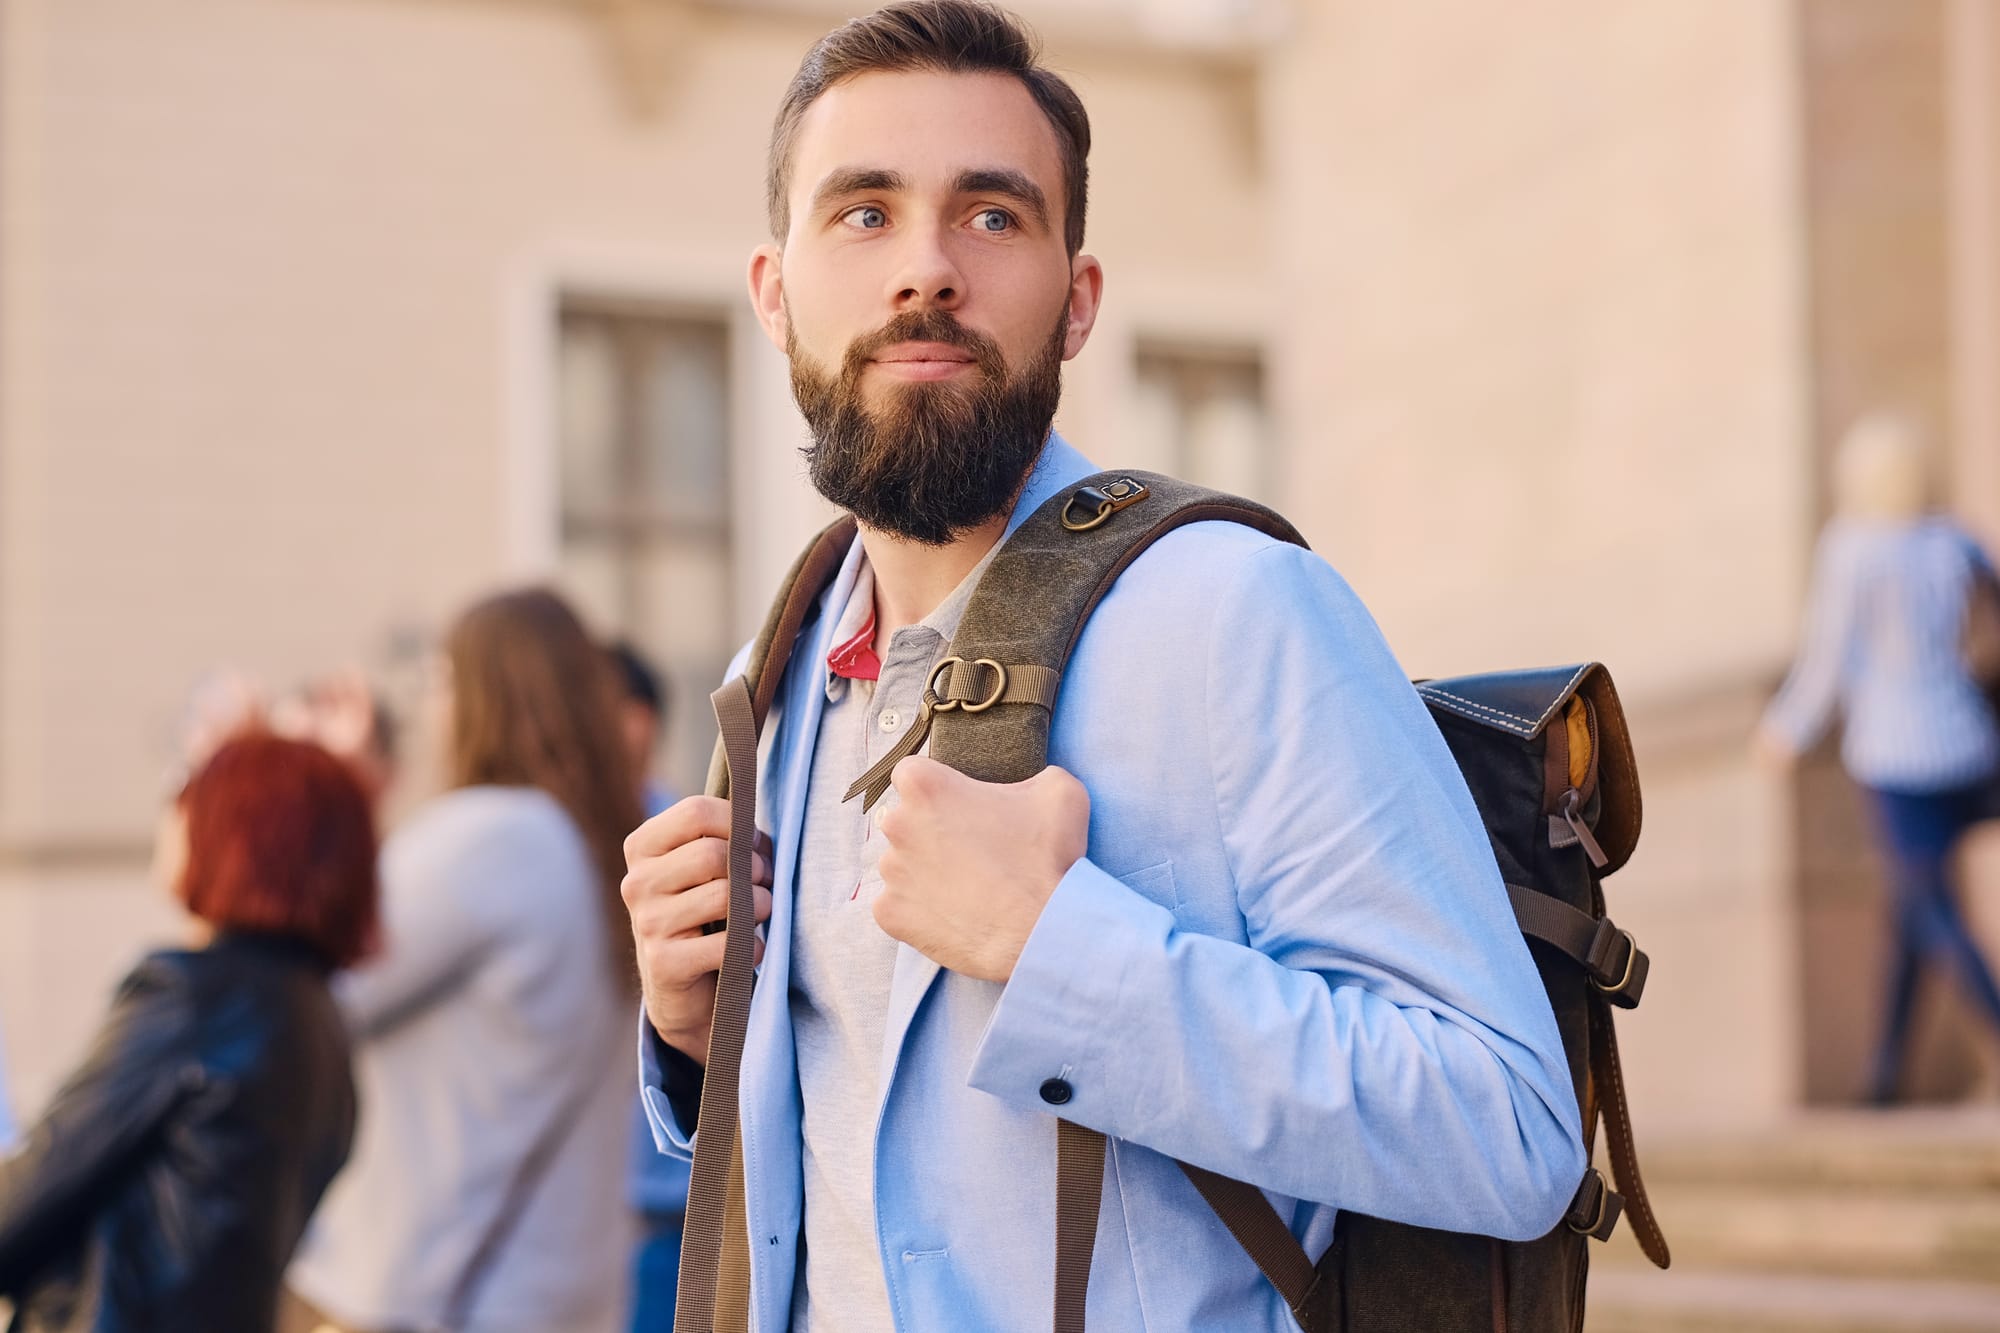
[{"x": 1247, "y": 918}]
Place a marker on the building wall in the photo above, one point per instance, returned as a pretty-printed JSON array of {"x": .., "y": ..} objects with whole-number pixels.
[{"x": 1543, "y": 365}]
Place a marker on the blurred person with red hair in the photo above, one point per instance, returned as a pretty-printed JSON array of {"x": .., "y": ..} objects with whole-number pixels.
[
  {"x": 169, "y": 1180},
  {"x": 493, "y": 1030}
]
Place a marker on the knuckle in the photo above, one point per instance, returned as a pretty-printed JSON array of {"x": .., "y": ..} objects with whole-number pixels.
[{"x": 915, "y": 776}]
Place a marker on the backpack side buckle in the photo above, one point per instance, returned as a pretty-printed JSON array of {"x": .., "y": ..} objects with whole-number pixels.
[
  {"x": 1620, "y": 982},
  {"x": 1595, "y": 1210}
]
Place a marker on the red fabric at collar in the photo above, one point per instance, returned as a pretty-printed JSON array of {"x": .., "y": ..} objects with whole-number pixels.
[{"x": 855, "y": 659}]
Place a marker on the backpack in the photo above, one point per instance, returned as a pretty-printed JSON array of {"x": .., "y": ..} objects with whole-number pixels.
[{"x": 1549, "y": 763}]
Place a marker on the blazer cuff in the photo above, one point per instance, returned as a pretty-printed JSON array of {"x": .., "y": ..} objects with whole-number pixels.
[
  {"x": 1051, "y": 1043},
  {"x": 670, "y": 1090}
]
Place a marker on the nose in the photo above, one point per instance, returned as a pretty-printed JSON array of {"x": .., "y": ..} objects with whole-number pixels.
[{"x": 926, "y": 274}]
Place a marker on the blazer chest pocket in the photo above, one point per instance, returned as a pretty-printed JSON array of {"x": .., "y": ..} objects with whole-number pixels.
[{"x": 1155, "y": 882}]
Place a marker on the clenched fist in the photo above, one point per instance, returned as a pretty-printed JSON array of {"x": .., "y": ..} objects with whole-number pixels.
[
  {"x": 970, "y": 864},
  {"x": 676, "y": 881}
]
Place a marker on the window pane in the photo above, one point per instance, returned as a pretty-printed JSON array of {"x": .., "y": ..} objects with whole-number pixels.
[
  {"x": 645, "y": 504},
  {"x": 587, "y": 389},
  {"x": 684, "y": 449},
  {"x": 1208, "y": 406}
]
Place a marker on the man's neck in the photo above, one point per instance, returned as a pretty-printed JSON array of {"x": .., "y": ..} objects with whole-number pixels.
[{"x": 912, "y": 579}]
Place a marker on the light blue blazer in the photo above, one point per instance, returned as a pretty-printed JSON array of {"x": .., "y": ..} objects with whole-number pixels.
[{"x": 1288, "y": 958}]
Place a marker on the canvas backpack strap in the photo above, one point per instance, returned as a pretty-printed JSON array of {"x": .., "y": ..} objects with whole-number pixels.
[
  {"x": 993, "y": 696},
  {"x": 714, "y": 1290},
  {"x": 1610, "y": 957}
]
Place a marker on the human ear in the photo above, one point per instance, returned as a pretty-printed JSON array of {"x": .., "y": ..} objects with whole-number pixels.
[
  {"x": 767, "y": 293},
  {"x": 1086, "y": 294}
]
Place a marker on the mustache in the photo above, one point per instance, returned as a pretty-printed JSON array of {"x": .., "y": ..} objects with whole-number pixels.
[{"x": 930, "y": 325}]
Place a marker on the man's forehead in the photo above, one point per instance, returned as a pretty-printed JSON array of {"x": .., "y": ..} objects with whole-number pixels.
[{"x": 926, "y": 126}]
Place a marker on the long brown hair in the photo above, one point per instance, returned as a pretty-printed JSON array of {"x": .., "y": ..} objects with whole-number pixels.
[{"x": 534, "y": 705}]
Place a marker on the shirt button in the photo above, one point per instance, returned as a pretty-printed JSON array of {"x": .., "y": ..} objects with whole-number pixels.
[
  {"x": 890, "y": 719},
  {"x": 1055, "y": 1091}
]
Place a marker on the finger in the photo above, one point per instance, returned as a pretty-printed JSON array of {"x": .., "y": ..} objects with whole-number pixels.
[
  {"x": 682, "y": 961},
  {"x": 688, "y": 913},
  {"x": 685, "y": 820},
  {"x": 685, "y": 866},
  {"x": 921, "y": 775}
]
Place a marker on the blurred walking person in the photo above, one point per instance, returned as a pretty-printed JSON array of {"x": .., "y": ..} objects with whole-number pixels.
[
  {"x": 493, "y": 1031},
  {"x": 658, "y": 1183},
  {"x": 8, "y": 1133},
  {"x": 1893, "y": 592},
  {"x": 167, "y": 1183}
]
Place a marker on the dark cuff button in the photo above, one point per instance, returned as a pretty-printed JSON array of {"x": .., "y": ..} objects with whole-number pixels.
[{"x": 1055, "y": 1091}]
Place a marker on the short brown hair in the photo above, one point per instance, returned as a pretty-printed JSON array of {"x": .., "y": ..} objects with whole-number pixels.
[
  {"x": 280, "y": 840},
  {"x": 951, "y": 36}
]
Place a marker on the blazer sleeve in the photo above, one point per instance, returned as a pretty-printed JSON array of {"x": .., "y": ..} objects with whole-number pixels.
[
  {"x": 102, "y": 1122},
  {"x": 1379, "y": 1040}
]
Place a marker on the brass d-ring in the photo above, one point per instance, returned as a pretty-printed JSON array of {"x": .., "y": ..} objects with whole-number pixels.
[
  {"x": 999, "y": 687},
  {"x": 1101, "y": 502},
  {"x": 939, "y": 704}
]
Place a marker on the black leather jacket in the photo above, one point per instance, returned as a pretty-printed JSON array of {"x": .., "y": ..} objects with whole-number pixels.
[{"x": 170, "y": 1179}]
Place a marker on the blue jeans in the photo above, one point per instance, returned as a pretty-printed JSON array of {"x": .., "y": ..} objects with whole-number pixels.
[
  {"x": 656, "y": 1273},
  {"x": 1919, "y": 831}
]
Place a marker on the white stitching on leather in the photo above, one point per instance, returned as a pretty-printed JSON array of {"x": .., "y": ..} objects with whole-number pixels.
[
  {"x": 1432, "y": 691},
  {"x": 1564, "y": 692}
]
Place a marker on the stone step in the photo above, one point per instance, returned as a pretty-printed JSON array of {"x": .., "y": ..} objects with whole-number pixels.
[
  {"x": 1898, "y": 1194},
  {"x": 1872, "y": 1231},
  {"x": 1949, "y": 1148},
  {"x": 1699, "y": 1301}
]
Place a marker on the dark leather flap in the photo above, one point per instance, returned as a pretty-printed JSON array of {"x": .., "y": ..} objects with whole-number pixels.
[{"x": 1522, "y": 703}]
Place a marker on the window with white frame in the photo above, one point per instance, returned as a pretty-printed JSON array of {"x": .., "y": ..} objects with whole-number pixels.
[
  {"x": 643, "y": 430},
  {"x": 1207, "y": 405}
]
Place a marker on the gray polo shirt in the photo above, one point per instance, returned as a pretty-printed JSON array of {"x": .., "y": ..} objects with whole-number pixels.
[{"x": 842, "y": 964}]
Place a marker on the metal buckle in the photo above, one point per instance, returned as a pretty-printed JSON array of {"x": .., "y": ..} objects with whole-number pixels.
[
  {"x": 944, "y": 705},
  {"x": 1103, "y": 502},
  {"x": 999, "y": 686},
  {"x": 1631, "y": 963},
  {"x": 1603, "y": 1200},
  {"x": 938, "y": 703}
]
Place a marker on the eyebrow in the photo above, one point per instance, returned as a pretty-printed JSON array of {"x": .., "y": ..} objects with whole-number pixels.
[
  {"x": 1006, "y": 181},
  {"x": 855, "y": 180}
]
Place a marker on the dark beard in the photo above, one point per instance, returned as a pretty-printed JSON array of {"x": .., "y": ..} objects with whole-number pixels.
[{"x": 938, "y": 458}]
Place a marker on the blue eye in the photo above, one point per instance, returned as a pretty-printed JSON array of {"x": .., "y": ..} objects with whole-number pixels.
[
  {"x": 867, "y": 217},
  {"x": 993, "y": 220}
]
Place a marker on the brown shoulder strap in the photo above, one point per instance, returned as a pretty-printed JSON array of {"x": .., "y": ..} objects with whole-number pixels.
[
  {"x": 714, "y": 1290},
  {"x": 716, "y": 1139}
]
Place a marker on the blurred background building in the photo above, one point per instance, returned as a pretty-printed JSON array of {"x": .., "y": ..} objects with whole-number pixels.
[{"x": 318, "y": 317}]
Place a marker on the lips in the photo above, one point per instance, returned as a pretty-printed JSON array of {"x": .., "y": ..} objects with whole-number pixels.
[{"x": 923, "y": 353}]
